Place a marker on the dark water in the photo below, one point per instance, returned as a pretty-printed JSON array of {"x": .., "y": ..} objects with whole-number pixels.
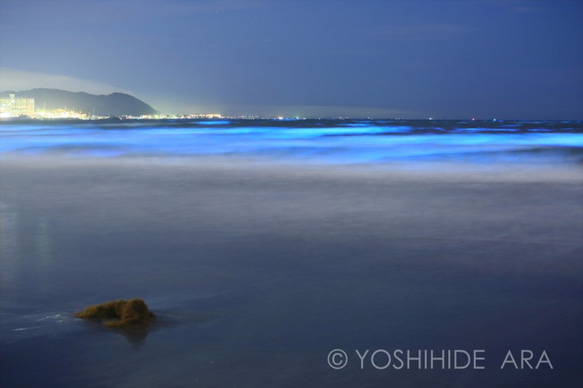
[{"x": 274, "y": 250}]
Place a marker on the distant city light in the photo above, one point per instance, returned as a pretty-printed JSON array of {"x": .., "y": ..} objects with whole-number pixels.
[{"x": 14, "y": 107}]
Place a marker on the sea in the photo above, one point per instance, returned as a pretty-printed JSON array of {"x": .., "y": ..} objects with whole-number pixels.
[
  {"x": 321, "y": 141},
  {"x": 293, "y": 253}
]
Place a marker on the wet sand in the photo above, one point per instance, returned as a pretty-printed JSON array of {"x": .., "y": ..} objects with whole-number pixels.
[{"x": 258, "y": 271}]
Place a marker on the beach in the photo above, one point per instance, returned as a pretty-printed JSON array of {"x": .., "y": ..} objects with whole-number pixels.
[{"x": 258, "y": 271}]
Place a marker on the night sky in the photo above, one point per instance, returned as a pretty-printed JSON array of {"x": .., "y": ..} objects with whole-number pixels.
[{"x": 412, "y": 59}]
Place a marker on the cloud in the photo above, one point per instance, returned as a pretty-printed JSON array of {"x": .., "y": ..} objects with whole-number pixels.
[
  {"x": 18, "y": 80},
  {"x": 418, "y": 33}
]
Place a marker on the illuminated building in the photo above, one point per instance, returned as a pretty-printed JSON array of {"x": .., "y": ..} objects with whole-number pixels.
[
  {"x": 60, "y": 113},
  {"x": 16, "y": 107},
  {"x": 13, "y": 107}
]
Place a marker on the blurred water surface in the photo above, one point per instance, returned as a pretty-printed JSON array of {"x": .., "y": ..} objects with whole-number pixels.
[{"x": 258, "y": 264}]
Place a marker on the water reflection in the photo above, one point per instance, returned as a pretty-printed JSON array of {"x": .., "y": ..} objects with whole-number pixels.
[
  {"x": 26, "y": 249},
  {"x": 136, "y": 337},
  {"x": 9, "y": 243},
  {"x": 43, "y": 242}
]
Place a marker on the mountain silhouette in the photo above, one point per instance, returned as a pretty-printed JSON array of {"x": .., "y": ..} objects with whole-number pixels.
[{"x": 114, "y": 104}]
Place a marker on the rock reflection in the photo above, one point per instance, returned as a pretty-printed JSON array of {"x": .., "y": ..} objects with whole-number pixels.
[{"x": 136, "y": 337}]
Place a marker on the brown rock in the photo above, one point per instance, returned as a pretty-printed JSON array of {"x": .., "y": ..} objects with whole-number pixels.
[{"x": 125, "y": 314}]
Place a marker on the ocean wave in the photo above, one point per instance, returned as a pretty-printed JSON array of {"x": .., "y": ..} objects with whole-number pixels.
[{"x": 342, "y": 141}]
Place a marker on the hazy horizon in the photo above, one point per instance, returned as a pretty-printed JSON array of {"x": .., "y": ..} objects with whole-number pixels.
[
  {"x": 312, "y": 112},
  {"x": 447, "y": 59}
]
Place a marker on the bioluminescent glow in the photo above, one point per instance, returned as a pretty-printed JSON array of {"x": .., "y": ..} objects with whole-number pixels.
[{"x": 335, "y": 141}]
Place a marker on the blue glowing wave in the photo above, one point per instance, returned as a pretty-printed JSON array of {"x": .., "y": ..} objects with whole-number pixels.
[{"x": 338, "y": 141}]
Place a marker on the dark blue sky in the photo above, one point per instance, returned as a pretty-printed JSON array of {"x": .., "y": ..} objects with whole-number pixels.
[{"x": 417, "y": 59}]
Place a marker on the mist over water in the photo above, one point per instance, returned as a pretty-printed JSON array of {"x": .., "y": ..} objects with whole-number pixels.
[{"x": 264, "y": 245}]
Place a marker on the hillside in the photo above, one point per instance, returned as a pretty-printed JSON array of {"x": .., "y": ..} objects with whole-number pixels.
[{"x": 114, "y": 104}]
